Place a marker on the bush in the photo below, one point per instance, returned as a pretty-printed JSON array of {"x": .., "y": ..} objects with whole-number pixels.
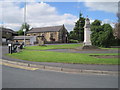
[{"x": 73, "y": 41}]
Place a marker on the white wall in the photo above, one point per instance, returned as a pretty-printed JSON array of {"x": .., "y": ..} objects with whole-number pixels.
[{"x": 3, "y": 39}]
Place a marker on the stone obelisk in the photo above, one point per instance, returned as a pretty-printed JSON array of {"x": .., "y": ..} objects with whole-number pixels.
[{"x": 87, "y": 33}]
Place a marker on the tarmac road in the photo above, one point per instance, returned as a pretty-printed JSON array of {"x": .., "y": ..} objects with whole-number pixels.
[{"x": 19, "y": 78}]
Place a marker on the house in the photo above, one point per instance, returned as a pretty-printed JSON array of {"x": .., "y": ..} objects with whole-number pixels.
[
  {"x": 52, "y": 34},
  {"x": 29, "y": 40},
  {"x": 7, "y": 35}
]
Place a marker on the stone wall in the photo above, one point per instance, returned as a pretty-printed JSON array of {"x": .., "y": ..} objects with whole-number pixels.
[
  {"x": 52, "y": 37},
  {"x": 47, "y": 35},
  {"x": 27, "y": 42}
]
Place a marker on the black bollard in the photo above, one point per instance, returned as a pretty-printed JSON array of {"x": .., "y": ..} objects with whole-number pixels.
[{"x": 9, "y": 49}]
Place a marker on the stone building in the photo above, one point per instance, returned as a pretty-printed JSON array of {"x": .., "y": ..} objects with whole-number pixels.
[
  {"x": 7, "y": 35},
  {"x": 52, "y": 34}
]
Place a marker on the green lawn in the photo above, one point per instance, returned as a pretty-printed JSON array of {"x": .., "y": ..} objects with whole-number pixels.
[
  {"x": 63, "y": 46},
  {"x": 48, "y": 56}
]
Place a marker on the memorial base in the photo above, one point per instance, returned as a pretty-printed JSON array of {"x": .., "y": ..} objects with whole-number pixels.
[{"x": 89, "y": 47}]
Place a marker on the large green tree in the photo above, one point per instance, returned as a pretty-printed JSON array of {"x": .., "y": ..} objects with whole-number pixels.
[
  {"x": 106, "y": 38},
  {"x": 78, "y": 31},
  {"x": 102, "y": 35},
  {"x": 96, "y": 28}
]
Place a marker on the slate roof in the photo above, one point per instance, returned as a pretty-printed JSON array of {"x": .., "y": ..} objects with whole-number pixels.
[
  {"x": 22, "y": 37},
  {"x": 46, "y": 29},
  {"x": 7, "y": 30}
]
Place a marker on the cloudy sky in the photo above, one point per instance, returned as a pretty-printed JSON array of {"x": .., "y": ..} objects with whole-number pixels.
[{"x": 41, "y": 14}]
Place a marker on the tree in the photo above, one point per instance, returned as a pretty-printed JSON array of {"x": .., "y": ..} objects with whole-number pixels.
[
  {"x": 81, "y": 28},
  {"x": 96, "y": 28},
  {"x": 78, "y": 31},
  {"x": 116, "y": 33},
  {"x": 24, "y": 26},
  {"x": 20, "y": 32},
  {"x": 96, "y": 23},
  {"x": 102, "y": 35},
  {"x": 72, "y": 35},
  {"x": 106, "y": 37}
]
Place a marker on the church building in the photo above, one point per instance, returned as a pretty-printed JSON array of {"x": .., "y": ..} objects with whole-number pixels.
[{"x": 51, "y": 34}]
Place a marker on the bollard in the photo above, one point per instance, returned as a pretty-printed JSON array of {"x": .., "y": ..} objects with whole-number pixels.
[{"x": 10, "y": 48}]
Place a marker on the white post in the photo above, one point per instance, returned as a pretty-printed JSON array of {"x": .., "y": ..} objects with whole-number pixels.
[
  {"x": 24, "y": 22},
  {"x": 24, "y": 35}
]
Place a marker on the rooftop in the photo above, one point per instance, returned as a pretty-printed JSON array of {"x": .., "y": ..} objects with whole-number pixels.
[
  {"x": 46, "y": 29},
  {"x": 7, "y": 30}
]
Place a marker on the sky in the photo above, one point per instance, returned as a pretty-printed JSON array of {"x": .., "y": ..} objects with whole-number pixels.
[{"x": 42, "y": 14}]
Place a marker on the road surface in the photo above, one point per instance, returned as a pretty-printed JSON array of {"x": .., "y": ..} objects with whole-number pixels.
[{"x": 20, "y": 78}]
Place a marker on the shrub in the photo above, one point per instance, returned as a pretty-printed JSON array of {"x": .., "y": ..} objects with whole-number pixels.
[{"x": 73, "y": 41}]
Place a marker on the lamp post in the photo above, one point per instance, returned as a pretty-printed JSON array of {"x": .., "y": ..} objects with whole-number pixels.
[
  {"x": 25, "y": 13},
  {"x": 24, "y": 36},
  {"x": 24, "y": 30}
]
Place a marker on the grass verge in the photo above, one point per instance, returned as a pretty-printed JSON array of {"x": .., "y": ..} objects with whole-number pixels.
[
  {"x": 59, "y": 57},
  {"x": 63, "y": 46}
]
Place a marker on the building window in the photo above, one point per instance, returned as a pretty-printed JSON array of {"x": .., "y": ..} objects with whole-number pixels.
[
  {"x": 43, "y": 35},
  {"x": 52, "y": 37}
]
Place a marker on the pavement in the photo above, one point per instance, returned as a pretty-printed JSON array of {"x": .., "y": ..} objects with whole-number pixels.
[{"x": 68, "y": 67}]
